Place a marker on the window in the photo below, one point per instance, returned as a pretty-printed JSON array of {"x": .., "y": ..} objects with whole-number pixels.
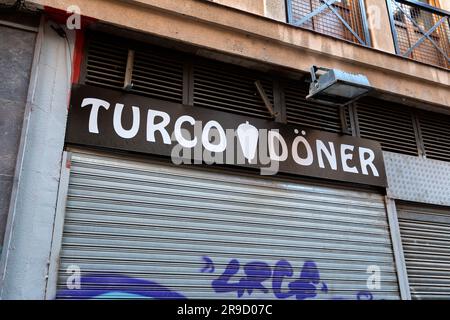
[
  {"x": 421, "y": 33},
  {"x": 344, "y": 19}
]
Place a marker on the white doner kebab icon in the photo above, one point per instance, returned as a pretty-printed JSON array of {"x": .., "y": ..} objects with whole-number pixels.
[{"x": 248, "y": 138}]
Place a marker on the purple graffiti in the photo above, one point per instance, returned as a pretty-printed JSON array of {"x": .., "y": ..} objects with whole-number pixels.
[
  {"x": 364, "y": 295},
  {"x": 305, "y": 286},
  {"x": 209, "y": 265},
  {"x": 223, "y": 284},
  {"x": 255, "y": 277},
  {"x": 112, "y": 285},
  {"x": 283, "y": 269},
  {"x": 256, "y": 272}
]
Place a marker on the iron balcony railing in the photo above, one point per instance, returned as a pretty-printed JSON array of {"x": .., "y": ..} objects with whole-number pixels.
[
  {"x": 344, "y": 19},
  {"x": 421, "y": 31}
]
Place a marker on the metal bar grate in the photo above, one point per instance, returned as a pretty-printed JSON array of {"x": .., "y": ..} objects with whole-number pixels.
[
  {"x": 421, "y": 33},
  {"x": 338, "y": 18}
]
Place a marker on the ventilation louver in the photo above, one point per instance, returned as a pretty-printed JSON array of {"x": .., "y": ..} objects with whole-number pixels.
[
  {"x": 311, "y": 114},
  {"x": 435, "y": 130},
  {"x": 231, "y": 89},
  {"x": 391, "y": 125}
]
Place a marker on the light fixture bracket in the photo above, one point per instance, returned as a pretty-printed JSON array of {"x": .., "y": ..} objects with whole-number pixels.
[{"x": 336, "y": 87}]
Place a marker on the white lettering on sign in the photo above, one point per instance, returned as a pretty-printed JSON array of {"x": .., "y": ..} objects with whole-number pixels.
[
  {"x": 179, "y": 136},
  {"x": 367, "y": 162},
  {"x": 345, "y": 157},
  {"x": 256, "y": 146},
  {"x": 329, "y": 154},
  {"x": 308, "y": 160},
  {"x": 93, "y": 117},
  {"x": 222, "y": 145},
  {"x": 272, "y": 135},
  {"x": 117, "y": 122},
  {"x": 160, "y": 127}
]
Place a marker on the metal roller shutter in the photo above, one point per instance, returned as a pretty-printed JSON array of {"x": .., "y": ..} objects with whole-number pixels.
[
  {"x": 156, "y": 230},
  {"x": 425, "y": 233}
]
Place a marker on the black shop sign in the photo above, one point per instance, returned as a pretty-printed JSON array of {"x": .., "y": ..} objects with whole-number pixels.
[{"x": 192, "y": 135}]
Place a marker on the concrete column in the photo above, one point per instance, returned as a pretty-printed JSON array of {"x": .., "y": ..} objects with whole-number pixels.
[
  {"x": 28, "y": 239},
  {"x": 379, "y": 25}
]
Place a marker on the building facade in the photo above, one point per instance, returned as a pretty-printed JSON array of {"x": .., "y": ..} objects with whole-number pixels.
[{"x": 166, "y": 149}]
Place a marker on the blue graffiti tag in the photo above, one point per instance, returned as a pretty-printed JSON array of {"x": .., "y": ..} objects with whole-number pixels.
[
  {"x": 256, "y": 273},
  {"x": 305, "y": 286},
  {"x": 96, "y": 286},
  {"x": 209, "y": 265}
]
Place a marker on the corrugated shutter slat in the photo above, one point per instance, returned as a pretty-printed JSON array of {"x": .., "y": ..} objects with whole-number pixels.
[
  {"x": 425, "y": 236},
  {"x": 156, "y": 222}
]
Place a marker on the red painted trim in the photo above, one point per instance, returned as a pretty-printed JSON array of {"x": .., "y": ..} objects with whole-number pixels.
[
  {"x": 60, "y": 17},
  {"x": 78, "y": 56}
]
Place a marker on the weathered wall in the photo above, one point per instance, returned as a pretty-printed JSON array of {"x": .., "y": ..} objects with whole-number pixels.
[
  {"x": 235, "y": 32},
  {"x": 24, "y": 261},
  {"x": 252, "y": 6},
  {"x": 275, "y": 9},
  {"x": 16, "y": 55}
]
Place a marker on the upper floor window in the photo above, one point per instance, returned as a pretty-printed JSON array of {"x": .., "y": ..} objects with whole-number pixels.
[
  {"x": 344, "y": 19},
  {"x": 421, "y": 31}
]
